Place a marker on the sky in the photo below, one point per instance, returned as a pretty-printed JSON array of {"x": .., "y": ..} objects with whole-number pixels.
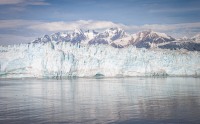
[{"x": 22, "y": 21}]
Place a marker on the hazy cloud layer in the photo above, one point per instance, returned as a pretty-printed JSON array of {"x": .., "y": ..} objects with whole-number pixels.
[
  {"x": 25, "y": 2},
  {"x": 91, "y": 25},
  {"x": 31, "y": 29},
  {"x": 17, "y": 23},
  {"x": 82, "y": 24},
  {"x": 96, "y": 25}
]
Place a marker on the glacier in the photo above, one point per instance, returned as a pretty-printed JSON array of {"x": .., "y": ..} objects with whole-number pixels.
[{"x": 65, "y": 59}]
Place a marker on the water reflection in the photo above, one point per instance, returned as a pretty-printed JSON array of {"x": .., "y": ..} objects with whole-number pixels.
[{"x": 121, "y": 100}]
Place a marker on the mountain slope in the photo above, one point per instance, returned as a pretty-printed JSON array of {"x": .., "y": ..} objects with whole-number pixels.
[
  {"x": 147, "y": 38},
  {"x": 196, "y": 38},
  {"x": 108, "y": 36}
]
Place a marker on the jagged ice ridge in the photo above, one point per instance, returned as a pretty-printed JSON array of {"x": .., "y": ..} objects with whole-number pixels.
[{"x": 65, "y": 59}]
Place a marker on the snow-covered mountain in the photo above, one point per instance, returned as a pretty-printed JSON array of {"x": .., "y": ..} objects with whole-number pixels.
[
  {"x": 108, "y": 36},
  {"x": 118, "y": 38},
  {"x": 113, "y": 36},
  {"x": 75, "y": 36},
  {"x": 150, "y": 39},
  {"x": 196, "y": 38},
  {"x": 191, "y": 44}
]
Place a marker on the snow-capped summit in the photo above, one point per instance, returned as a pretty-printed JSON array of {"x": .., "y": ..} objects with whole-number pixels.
[
  {"x": 153, "y": 36},
  {"x": 90, "y": 34},
  {"x": 109, "y": 36},
  {"x": 146, "y": 38},
  {"x": 77, "y": 31},
  {"x": 56, "y": 36},
  {"x": 184, "y": 39},
  {"x": 75, "y": 36},
  {"x": 115, "y": 33},
  {"x": 43, "y": 39},
  {"x": 196, "y": 38}
]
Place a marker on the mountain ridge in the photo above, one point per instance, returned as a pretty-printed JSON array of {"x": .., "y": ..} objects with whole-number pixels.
[{"x": 118, "y": 38}]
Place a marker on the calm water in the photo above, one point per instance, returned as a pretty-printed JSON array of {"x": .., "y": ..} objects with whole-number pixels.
[{"x": 120, "y": 100}]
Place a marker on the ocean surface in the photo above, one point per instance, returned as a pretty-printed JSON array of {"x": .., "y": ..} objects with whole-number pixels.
[{"x": 109, "y": 100}]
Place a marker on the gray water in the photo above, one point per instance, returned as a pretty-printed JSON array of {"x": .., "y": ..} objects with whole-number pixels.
[{"x": 116, "y": 100}]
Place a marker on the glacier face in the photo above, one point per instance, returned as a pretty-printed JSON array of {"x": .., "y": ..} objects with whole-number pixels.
[{"x": 64, "y": 59}]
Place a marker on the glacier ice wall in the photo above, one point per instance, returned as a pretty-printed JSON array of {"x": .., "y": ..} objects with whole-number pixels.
[{"x": 65, "y": 60}]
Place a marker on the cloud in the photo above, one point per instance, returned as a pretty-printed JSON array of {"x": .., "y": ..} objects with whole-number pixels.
[
  {"x": 175, "y": 30},
  {"x": 14, "y": 6},
  {"x": 186, "y": 28},
  {"x": 83, "y": 24},
  {"x": 24, "y": 2},
  {"x": 174, "y": 10},
  {"x": 165, "y": 27},
  {"x": 3, "y": 2},
  {"x": 91, "y": 25},
  {"x": 4, "y": 24}
]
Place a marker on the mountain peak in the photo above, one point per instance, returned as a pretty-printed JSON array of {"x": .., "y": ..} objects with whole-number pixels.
[
  {"x": 78, "y": 31},
  {"x": 148, "y": 37},
  {"x": 196, "y": 38},
  {"x": 153, "y": 34},
  {"x": 110, "y": 36}
]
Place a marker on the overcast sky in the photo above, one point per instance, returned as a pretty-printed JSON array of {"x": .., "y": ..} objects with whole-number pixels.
[{"x": 24, "y": 20}]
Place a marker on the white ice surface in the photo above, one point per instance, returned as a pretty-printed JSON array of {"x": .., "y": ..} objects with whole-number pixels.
[{"x": 65, "y": 59}]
